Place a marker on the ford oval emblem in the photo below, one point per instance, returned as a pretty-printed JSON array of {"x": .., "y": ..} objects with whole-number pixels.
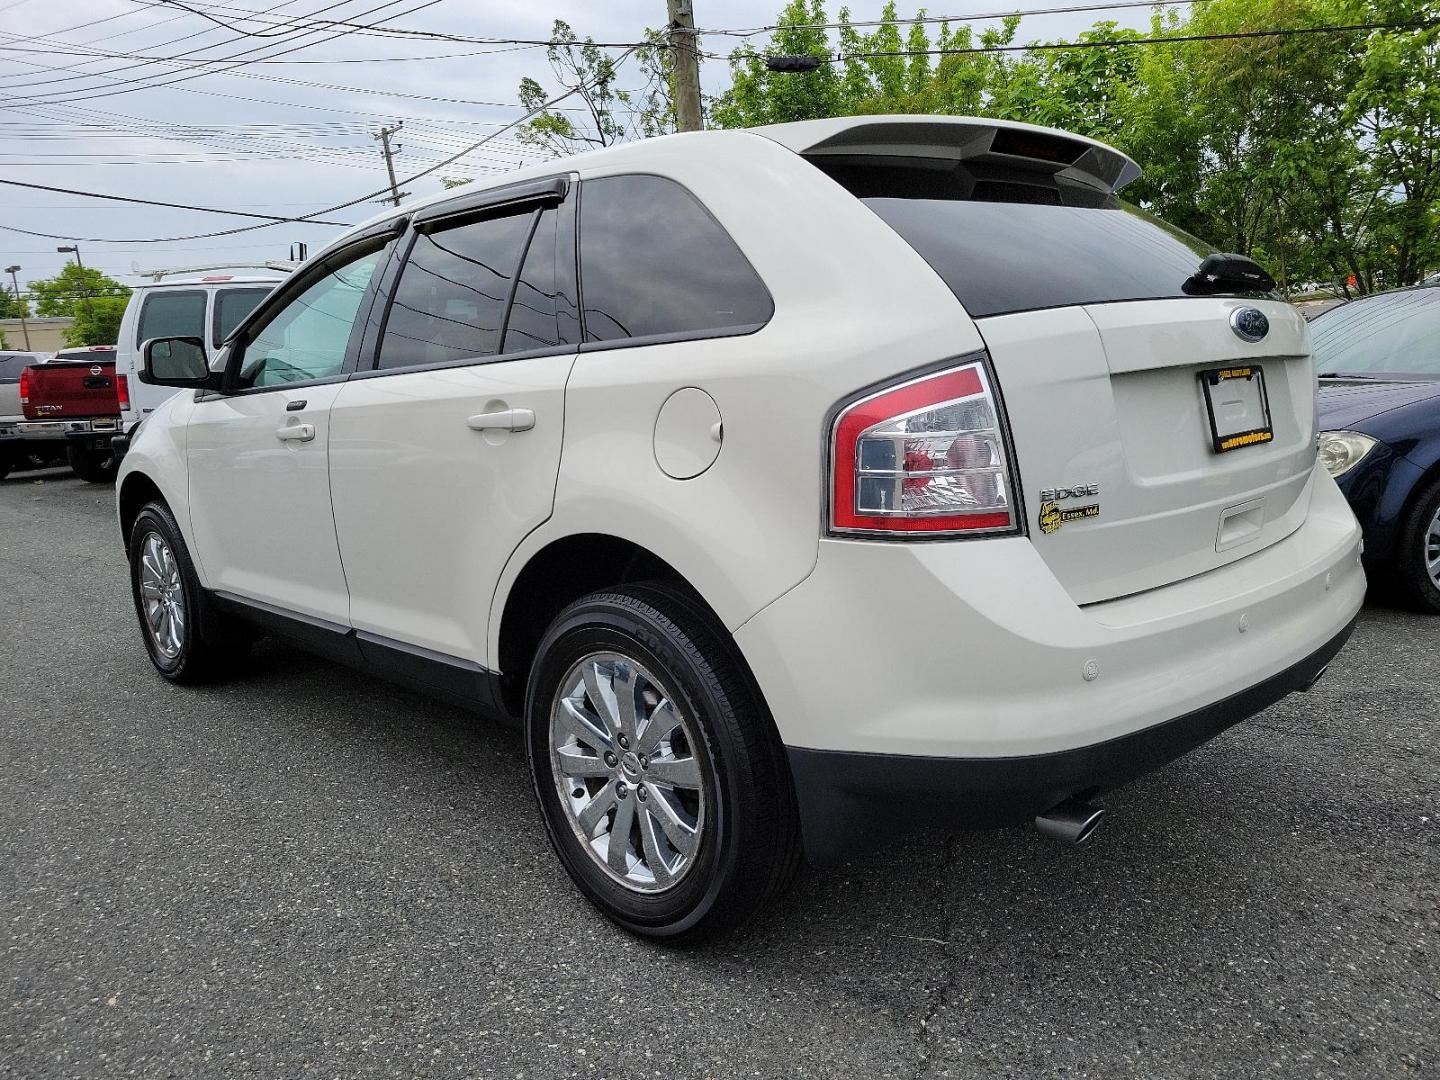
[{"x": 1249, "y": 324}]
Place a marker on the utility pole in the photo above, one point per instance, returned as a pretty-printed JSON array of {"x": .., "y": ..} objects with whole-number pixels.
[
  {"x": 384, "y": 136},
  {"x": 686, "y": 58},
  {"x": 24, "y": 327}
]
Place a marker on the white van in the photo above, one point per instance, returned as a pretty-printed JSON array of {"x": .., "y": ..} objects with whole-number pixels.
[{"x": 207, "y": 307}]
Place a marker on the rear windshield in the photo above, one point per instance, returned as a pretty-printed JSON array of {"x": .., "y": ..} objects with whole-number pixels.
[
  {"x": 999, "y": 257},
  {"x": 93, "y": 356},
  {"x": 1391, "y": 334}
]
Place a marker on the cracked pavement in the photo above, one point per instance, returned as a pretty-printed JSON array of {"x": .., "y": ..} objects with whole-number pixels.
[{"x": 306, "y": 872}]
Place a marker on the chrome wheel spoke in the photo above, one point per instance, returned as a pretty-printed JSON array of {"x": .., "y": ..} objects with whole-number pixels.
[
  {"x": 681, "y": 834},
  {"x": 574, "y": 763},
  {"x": 625, "y": 764},
  {"x": 584, "y": 726},
  {"x": 650, "y": 844},
  {"x": 661, "y": 722},
  {"x": 595, "y": 811},
  {"x": 617, "y": 853},
  {"x": 602, "y": 696},
  {"x": 677, "y": 772}
]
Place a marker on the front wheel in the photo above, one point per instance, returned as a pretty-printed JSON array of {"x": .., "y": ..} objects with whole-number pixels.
[
  {"x": 661, "y": 779},
  {"x": 188, "y": 640},
  {"x": 92, "y": 466}
]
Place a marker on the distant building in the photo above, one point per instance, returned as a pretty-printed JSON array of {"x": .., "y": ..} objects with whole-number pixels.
[{"x": 46, "y": 335}]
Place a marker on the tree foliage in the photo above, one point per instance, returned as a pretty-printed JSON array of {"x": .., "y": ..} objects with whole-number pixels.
[
  {"x": 95, "y": 301},
  {"x": 599, "y": 110},
  {"x": 1318, "y": 154}
]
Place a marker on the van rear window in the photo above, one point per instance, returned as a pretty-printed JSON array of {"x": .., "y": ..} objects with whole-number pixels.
[{"x": 1000, "y": 257}]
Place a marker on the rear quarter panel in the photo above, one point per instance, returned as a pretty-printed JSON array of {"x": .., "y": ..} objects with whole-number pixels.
[{"x": 853, "y": 305}]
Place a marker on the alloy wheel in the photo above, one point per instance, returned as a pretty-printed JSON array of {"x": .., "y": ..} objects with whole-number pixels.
[
  {"x": 162, "y": 596},
  {"x": 1431, "y": 540},
  {"x": 622, "y": 753}
]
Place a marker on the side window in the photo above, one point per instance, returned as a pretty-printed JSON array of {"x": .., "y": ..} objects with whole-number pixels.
[
  {"x": 533, "y": 322},
  {"x": 654, "y": 262},
  {"x": 232, "y": 305},
  {"x": 308, "y": 336},
  {"x": 10, "y": 368},
  {"x": 171, "y": 313},
  {"x": 450, "y": 300}
]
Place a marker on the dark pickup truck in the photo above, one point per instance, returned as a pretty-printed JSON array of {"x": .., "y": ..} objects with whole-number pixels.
[{"x": 76, "y": 394}]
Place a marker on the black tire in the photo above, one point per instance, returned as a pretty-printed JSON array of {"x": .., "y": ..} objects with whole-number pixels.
[
  {"x": 212, "y": 643},
  {"x": 749, "y": 848},
  {"x": 1412, "y": 580},
  {"x": 7, "y": 462},
  {"x": 92, "y": 466}
]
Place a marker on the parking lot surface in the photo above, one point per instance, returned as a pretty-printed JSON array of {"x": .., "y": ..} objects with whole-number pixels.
[{"x": 306, "y": 872}]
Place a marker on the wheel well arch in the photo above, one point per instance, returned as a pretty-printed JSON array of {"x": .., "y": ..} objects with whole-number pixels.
[
  {"x": 556, "y": 576},
  {"x": 136, "y": 490}
]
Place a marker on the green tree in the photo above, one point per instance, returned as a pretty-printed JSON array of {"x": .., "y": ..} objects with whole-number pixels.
[
  {"x": 95, "y": 301},
  {"x": 598, "y": 112}
]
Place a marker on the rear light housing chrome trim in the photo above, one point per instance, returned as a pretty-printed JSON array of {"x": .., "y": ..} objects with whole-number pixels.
[{"x": 957, "y": 382}]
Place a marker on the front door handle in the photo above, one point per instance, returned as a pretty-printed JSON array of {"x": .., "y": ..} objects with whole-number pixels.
[
  {"x": 296, "y": 433},
  {"x": 504, "y": 420}
]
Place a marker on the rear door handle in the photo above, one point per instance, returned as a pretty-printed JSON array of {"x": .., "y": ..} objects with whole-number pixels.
[
  {"x": 504, "y": 420},
  {"x": 296, "y": 433}
]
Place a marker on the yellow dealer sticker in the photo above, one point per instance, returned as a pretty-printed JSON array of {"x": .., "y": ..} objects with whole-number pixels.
[{"x": 1052, "y": 516}]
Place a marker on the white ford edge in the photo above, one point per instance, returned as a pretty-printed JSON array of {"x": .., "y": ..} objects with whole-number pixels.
[{"x": 788, "y": 486}]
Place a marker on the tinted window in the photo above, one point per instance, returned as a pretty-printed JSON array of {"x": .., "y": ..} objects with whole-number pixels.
[
  {"x": 998, "y": 257},
  {"x": 11, "y": 364},
  {"x": 1398, "y": 333},
  {"x": 167, "y": 313},
  {"x": 654, "y": 262},
  {"x": 308, "y": 336},
  {"x": 450, "y": 300},
  {"x": 533, "y": 323},
  {"x": 232, "y": 305}
]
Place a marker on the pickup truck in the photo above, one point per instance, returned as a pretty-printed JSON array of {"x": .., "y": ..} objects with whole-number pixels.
[
  {"x": 76, "y": 395},
  {"x": 16, "y": 451}
]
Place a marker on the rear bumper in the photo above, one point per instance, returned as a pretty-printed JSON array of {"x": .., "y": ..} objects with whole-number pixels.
[
  {"x": 104, "y": 428},
  {"x": 972, "y": 652},
  {"x": 850, "y": 802}
]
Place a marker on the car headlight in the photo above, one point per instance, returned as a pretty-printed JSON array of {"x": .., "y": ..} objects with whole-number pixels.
[{"x": 1341, "y": 451}]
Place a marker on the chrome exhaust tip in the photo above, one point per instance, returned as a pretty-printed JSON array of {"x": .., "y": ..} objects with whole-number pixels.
[{"x": 1070, "y": 822}]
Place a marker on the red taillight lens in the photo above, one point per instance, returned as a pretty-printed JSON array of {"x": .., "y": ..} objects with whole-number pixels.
[
  {"x": 122, "y": 391},
  {"x": 25, "y": 386},
  {"x": 924, "y": 457}
]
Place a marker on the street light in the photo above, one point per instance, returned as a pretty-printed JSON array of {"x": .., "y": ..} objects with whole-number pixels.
[
  {"x": 75, "y": 250},
  {"x": 24, "y": 328}
]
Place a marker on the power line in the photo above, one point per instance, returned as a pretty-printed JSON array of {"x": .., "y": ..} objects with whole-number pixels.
[
  {"x": 310, "y": 218},
  {"x": 153, "y": 202},
  {"x": 152, "y": 82}
]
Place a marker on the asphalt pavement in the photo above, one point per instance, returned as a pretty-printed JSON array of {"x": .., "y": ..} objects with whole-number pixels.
[{"x": 306, "y": 872}]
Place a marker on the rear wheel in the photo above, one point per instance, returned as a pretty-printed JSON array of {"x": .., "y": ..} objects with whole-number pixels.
[
  {"x": 663, "y": 785},
  {"x": 188, "y": 640},
  {"x": 1418, "y": 566},
  {"x": 92, "y": 466}
]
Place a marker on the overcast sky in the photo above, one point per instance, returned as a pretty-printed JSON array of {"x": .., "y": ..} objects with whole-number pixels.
[{"x": 271, "y": 145}]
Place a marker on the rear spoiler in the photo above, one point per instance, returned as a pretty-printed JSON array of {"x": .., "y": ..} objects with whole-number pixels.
[{"x": 961, "y": 138}]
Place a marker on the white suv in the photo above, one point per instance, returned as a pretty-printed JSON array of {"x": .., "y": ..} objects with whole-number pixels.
[{"x": 789, "y": 487}]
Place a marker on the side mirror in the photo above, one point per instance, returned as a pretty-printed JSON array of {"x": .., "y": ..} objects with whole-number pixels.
[
  {"x": 179, "y": 362},
  {"x": 1223, "y": 273}
]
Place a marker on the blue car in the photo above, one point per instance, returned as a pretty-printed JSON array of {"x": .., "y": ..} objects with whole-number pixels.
[{"x": 1378, "y": 359}]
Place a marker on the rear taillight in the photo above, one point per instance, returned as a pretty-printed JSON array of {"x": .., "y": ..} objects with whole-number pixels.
[
  {"x": 25, "y": 386},
  {"x": 122, "y": 391},
  {"x": 924, "y": 457}
]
